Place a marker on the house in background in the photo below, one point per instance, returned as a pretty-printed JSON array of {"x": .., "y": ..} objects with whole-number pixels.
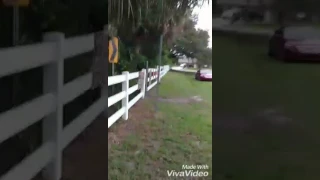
[
  {"x": 258, "y": 6},
  {"x": 264, "y": 9},
  {"x": 190, "y": 62}
]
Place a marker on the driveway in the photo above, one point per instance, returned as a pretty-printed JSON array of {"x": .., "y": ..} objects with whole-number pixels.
[{"x": 177, "y": 68}]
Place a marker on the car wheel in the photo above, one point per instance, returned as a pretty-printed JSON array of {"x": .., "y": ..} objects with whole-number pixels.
[
  {"x": 270, "y": 53},
  {"x": 282, "y": 56}
]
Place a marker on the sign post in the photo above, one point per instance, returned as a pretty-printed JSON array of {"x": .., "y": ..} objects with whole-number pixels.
[
  {"x": 15, "y": 4},
  {"x": 15, "y": 27},
  {"x": 113, "y": 55},
  {"x": 159, "y": 66},
  {"x": 159, "y": 69}
]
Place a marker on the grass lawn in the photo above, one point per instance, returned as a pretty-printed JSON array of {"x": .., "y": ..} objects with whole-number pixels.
[
  {"x": 180, "y": 133},
  {"x": 266, "y": 118}
]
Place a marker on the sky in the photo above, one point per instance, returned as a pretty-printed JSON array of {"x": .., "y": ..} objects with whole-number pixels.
[{"x": 205, "y": 19}]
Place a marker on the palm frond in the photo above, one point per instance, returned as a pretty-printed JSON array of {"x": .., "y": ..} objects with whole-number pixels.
[{"x": 158, "y": 11}]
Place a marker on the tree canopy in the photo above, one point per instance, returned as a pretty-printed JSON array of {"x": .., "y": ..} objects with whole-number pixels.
[
  {"x": 193, "y": 43},
  {"x": 288, "y": 9},
  {"x": 139, "y": 24},
  {"x": 137, "y": 20}
]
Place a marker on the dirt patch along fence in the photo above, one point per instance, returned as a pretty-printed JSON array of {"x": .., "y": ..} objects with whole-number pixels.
[{"x": 147, "y": 80}]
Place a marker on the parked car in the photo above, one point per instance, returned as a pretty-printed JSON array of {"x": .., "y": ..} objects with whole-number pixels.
[
  {"x": 204, "y": 75},
  {"x": 183, "y": 65},
  {"x": 253, "y": 16},
  {"x": 231, "y": 15},
  {"x": 295, "y": 43}
]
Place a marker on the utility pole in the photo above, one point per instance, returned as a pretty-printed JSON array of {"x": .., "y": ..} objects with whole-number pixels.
[
  {"x": 15, "y": 42},
  {"x": 159, "y": 68},
  {"x": 159, "y": 64},
  {"x": 15, "y": 25}
]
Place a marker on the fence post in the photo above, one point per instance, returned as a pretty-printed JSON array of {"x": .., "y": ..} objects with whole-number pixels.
[
  {"x": 158, "y": 74},
  {"x": 53, "y": 124},
  {"x": 147, "y": 76},
  {"x": 143, "y": 87},
  {"x": 151, "y": 75},
  {"x": 161, "y": 71},
  {"x": 125, "y": 100}
]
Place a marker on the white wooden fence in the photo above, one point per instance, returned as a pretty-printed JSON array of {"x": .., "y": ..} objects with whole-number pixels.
[
  {"x": 51, "y": 55},
  {"x": 148, "y": 82}
]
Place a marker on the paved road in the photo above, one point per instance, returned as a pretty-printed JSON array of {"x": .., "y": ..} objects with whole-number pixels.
[
  {"x": 218, "y": 22},
  {"x": 241, "y": 28},
  {"x": 177, "y": 68},
  {"x": 244, "y": 29}
]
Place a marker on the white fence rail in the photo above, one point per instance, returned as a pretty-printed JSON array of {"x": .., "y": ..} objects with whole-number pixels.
[
  {"x": 51, "y": 55},
  {"x": 147, "y": 83}
]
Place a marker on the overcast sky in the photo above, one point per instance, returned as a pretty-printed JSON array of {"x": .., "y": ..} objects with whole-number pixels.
[{"x": 205, "y": 19}]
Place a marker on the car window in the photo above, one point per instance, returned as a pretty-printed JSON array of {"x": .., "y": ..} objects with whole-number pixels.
[
  {"x": 206, "y": 71},
  {"x": 278, "y": 32},
  {"x": 301, "y": 33}
]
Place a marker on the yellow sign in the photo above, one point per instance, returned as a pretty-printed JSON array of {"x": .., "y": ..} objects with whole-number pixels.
[
  {"x": 16, "y": 2},
  {"x": 113, "y": 50}
]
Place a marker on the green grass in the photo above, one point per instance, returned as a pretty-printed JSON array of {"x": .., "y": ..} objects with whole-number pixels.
[
  {"x": 247, "y": 80},
  {"x": 181, "y": 134}
]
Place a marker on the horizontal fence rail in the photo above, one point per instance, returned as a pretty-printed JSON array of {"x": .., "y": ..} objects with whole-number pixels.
[
  {"x": 48, "y": 107},
  {"x": 147, "y": 80}
]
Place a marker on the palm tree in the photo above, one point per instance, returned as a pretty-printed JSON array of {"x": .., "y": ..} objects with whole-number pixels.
[{"x": 157, "y": 16}]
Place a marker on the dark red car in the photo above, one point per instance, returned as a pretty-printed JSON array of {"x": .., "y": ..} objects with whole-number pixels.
[
  {"x": 295, "y": 43},
  {"x": 204, "y": 75}
]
